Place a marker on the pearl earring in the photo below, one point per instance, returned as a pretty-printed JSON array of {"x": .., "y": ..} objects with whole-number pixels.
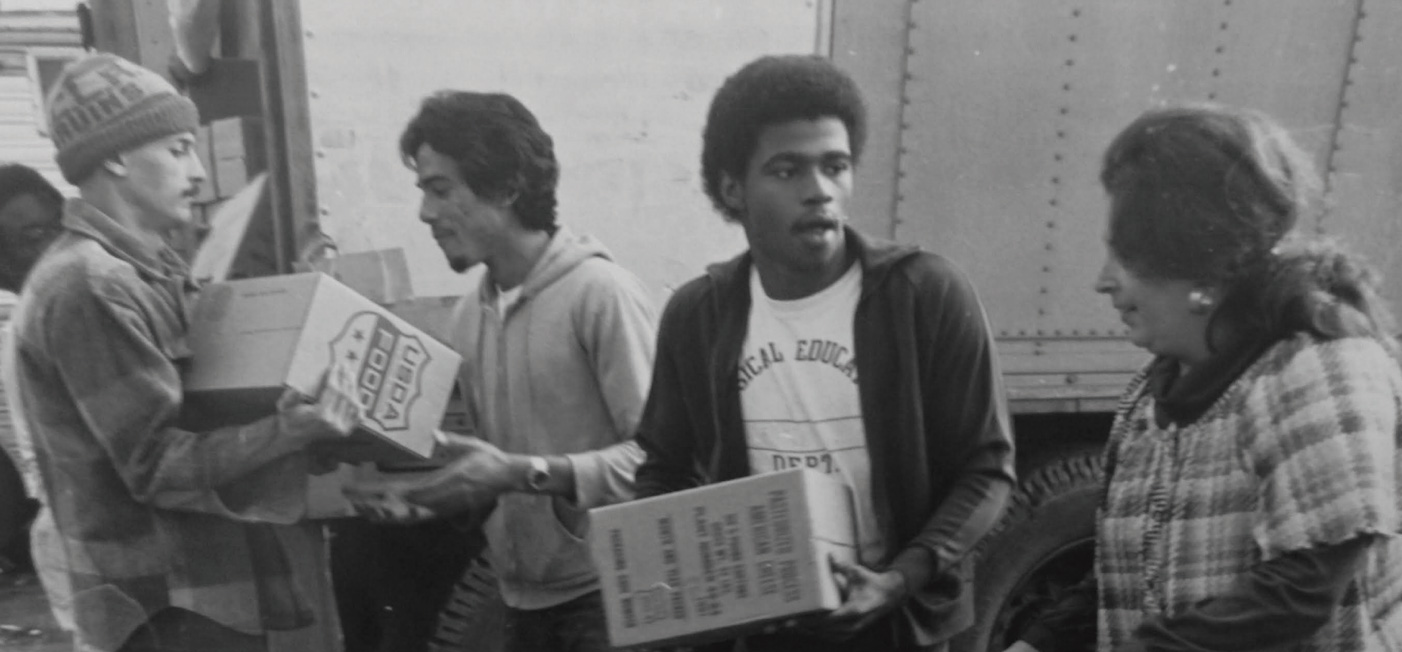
[{"x": 1200, "y": 301}]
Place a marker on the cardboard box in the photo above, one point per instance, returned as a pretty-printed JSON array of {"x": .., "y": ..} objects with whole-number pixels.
[
  {"x": 238, "y": 137},
  {"x": 251, "y": 338},
  {"x": 432, "y": 315},
  {"x": 325, "y": 500},
  {"x": 231, "y": 87},
  {"x": 380, "y": 275},
  {"x": 325, "y": 497},
  {"x": 232, "y": 175},
  {"x": 204, "y": 149},
  {"x": 230, "y": 224},
  {"x": 239, "y": 153},
  {"x": 723, "y": 560}
]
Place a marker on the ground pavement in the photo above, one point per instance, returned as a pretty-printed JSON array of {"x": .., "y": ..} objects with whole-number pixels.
[{"x": 26, "y": 625}]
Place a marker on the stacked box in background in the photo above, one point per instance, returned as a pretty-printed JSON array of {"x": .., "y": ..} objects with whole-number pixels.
[
  {"x": 204, "y": 149},
  {"x": 238, "y": 152},
  {"x": 722, "y": 560},
  {"x": 234, "y": 155},
  {"x": 233, "y": 151}
]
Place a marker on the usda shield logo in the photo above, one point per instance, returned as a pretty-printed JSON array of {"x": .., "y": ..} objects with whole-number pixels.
[{"x": 389, "y": 364}]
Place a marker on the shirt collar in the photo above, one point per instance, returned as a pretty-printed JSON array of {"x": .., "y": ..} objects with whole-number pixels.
[
  {"x": 160, "y": 262},
  {"x": 1182, "y": 398}
]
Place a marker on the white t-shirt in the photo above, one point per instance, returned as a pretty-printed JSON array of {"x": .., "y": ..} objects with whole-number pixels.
[{"x": 798, "y": 393}]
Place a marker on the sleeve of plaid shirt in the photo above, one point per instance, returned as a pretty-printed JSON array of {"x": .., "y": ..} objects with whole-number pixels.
[
  {"x": 118, "y": 363},
  {"x": 1323, "y": 444}
]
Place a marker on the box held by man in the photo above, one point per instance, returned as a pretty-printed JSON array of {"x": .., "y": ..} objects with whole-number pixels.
[
  {"x": 252, "y": 338},
  {"x": 722, "y": 560},
  {"x": 326, "y": 493}
]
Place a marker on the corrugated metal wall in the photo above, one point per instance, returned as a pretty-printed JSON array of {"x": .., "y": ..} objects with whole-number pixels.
[
  {"x": 987, "y": 147},
  {"x": 20, "y": 140},
  {"x": 1013, "y": 102}
]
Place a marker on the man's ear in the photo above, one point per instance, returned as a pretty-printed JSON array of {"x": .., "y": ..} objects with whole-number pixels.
[{"x": 732, "y": 192}]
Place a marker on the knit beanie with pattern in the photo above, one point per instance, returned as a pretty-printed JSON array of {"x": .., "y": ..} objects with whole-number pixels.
[{"x": 102, "y": 105}]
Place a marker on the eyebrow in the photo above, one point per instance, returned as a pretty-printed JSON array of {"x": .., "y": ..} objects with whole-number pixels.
[{"x": 796, "y": 157}]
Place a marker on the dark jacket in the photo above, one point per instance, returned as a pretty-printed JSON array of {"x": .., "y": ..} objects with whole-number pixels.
[{"x": 932, "y": 401}]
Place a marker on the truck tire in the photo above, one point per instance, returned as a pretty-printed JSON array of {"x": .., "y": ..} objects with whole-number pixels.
[
  {"x": 474, "y": 618},
  {"x": 1044, "y": 544}
]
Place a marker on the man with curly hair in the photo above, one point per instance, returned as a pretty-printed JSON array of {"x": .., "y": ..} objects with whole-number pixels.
[
  {"x": 820, "y": 348},
  {"x": 557, "y": 343}
]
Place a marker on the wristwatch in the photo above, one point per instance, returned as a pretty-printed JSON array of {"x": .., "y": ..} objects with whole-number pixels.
[{"x": 538, "y": 475}]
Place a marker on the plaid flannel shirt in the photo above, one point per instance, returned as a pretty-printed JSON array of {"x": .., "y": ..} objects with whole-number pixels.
[
  {"x": 148, "y": 515},
  {"x": 1301, "y": 451}
]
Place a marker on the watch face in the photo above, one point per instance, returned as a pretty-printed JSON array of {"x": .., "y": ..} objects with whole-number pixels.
[{"x": 539, "y": 474}]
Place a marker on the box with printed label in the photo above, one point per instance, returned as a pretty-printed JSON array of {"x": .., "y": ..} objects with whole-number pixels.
[
  {"x": 326, "y": 497},
  {"x": 722, "y": 560},
  {"x": 252, "y": 338}
]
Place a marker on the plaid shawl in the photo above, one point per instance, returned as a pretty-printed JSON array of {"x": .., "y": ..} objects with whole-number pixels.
[
  {"x": 148, "y": 515},
  {"x": 1301, "y": 451}
]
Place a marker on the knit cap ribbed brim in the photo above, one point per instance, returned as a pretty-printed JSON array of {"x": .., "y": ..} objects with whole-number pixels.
[{"x": 102, "y": 105}]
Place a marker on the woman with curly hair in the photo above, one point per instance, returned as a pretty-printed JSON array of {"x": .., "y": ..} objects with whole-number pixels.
[{"x": 1252, "y": 498}]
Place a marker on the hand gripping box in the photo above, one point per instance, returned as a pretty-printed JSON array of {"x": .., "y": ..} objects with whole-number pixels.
[
  {"x": 251, "y": 338},
  {"x": 326, "y": 493},
  {"x": 723, "y": 560}
]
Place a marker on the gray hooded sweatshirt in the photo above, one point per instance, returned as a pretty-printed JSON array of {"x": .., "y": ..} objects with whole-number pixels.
[{"x": 564, "y": 370}]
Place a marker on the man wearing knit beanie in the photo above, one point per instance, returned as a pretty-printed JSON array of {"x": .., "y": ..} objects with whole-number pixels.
[{"x": 175, "y": 539}]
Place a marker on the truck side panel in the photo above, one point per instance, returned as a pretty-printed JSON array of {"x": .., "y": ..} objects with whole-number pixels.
[
  {"x": 1365, "y": 180},
  {"x": 869, "y": 42},
  {"x": 1010, "y": 104}
]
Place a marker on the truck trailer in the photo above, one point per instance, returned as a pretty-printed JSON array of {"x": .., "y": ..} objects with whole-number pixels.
[{"x": 988, "y": 118}]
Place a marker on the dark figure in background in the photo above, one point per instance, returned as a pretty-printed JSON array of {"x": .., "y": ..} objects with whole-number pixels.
[
  {"x": 30, "y": 208},
  {"x": 393, "y": 581},
  {"x": 1252, "y": 499},
  {"x": 819, "y": 342}
]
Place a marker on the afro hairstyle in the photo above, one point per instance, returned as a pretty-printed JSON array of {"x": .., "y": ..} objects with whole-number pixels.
[{"x": 769, "y": 91}]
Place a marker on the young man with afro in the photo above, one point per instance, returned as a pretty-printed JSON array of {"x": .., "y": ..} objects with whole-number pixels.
[{"x": 822, "y": 348}]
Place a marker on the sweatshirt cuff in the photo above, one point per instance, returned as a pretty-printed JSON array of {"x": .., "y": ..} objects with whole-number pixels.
[
  {"x": 587, "y": 492},
  {"x": 606, "y": 476},
  {"x": 917, "y": 564}
]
